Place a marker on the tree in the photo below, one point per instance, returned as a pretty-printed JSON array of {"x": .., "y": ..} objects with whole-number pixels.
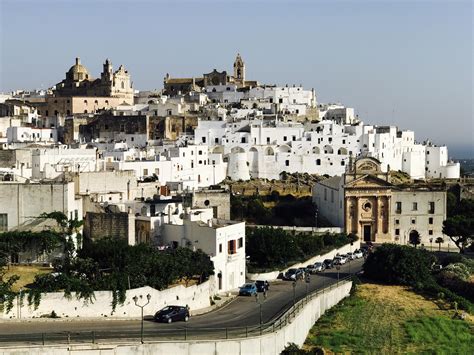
[
  {"x": 415, "y": 238},
  {"x": 439, "y": 240},
  {"x": 460, "y": 229}
]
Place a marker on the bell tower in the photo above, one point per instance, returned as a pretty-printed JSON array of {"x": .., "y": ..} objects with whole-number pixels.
[{"x": 239, "y": 71}]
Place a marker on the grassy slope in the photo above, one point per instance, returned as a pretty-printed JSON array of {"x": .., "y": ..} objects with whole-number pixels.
[
  {"x": 388, "y": 320},
  {"x": 27, "y": 274}
]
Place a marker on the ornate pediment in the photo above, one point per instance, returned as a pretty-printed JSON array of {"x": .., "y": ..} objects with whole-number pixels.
[{"x": 368, "y": 181}]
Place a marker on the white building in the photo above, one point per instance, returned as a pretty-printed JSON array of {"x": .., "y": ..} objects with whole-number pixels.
[
  {"x": 49, "y": 163},
  {"x": 17, "y": 134},
  {"x": 222, "y": 240}
]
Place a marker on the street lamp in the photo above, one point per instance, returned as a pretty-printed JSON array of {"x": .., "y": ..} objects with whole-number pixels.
[
  {"x": 135, "y": 299},
  {"x": 294, "y": 293},
  {"x": 257, "y": 299}
]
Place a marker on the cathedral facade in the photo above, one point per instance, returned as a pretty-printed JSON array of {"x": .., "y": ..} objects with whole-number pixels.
[{"x": 79, "y": 92}]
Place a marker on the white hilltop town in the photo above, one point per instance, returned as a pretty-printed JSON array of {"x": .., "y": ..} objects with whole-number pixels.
[{"x": 161, "y": 168}]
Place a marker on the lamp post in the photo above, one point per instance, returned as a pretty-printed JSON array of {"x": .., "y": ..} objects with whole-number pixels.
[
  {"x": 135, "y": 299},
  {"x": 294, "y": 293},
  {"x": 257, "y": 299}
]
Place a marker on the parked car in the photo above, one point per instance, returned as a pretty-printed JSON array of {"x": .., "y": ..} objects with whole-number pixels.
[
  {"x": 310, "y": 269},
  {"x": 340, "y": 260},
  {"x": 319, "y": 267},
  {"x": 351, "y": 256},
  {"x": 304, "y": 271},
  {"x": 248, "y": 289},
  {"x": 358, "y": 254},
  {"x": 170, "y": 314},
  {"x": 262, "y": 285},
  {"x": 293, "y": 274},
  {"x": 329, "y": 263}
]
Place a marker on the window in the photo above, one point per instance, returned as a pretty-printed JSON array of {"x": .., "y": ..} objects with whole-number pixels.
[
  {"x": 145, "y": 172},
  {"x": 430, "y": 220},
  {"x": 318, "y": 161},
  {"x": 431, "y": 207},
  {"x": 397, "y": 221},
  {"x": 231, "y": 247},
  {"x": 397, "y": 231},
  {"x": 414, "y": 206},
  {"x": 398, "y": 207},
  {"x": 3, "y": 222},
  {"x": 287, "y": 163},
  {"x": 220, "y": 248},
  {"x": 413, "y": 221},
  {"x": 430, "y": 232},
  {"x": 122, "y": 128},
  {"x": 157, "y": 171},
  {"x": 241, "y": 242},
  {"x": 284, "y": 138},
  {"x": 200, "y": 152},
  {"x": 204, "y": 139},
  {"x": 216, "y": 140},
  {"x": 243, "y": 140},
  {"x": 76, "y": 215},
  {"x": 268, "y": 140},
  {"x": 293, "y": 138},
  {"x": 280, "y": 101}
]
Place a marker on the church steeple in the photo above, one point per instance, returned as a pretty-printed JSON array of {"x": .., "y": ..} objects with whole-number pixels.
[{"x": 239, "y": 71}]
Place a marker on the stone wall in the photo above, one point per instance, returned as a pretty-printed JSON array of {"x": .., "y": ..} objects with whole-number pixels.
[
  {"x": 196, "y": 297},
  {"x": 218, "y": 200},
  {"x": 115, "y": 225}
]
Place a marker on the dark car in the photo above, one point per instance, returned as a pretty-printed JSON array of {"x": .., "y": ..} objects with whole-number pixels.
[
  {"x": 293, "y": 274},
  {"x": 328, "y": 263},
  {"x": 262, "y": 285},
  {"x": 171, "y": 314}
]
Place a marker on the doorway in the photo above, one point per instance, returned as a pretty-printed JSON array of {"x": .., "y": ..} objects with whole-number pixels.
[{"x": 367, "y": 233}]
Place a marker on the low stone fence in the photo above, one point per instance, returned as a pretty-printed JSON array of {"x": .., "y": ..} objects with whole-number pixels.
[
  {"x": 273, "y": 275},
  {"x": 196, "y": 297}
]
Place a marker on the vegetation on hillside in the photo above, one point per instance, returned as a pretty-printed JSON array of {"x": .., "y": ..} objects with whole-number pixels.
[
  {"x": 275, "y": 248},
  {"x": 273, "y": 210},
  {"x": 403, "y": 265},
  {"x": 382, "y": 319},
  {"x": 459, "y": 225}
]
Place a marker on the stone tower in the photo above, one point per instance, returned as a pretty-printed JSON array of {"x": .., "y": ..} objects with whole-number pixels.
[{"x": 239, "y": 71}]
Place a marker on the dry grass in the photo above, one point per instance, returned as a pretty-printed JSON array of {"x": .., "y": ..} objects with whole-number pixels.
[
  {"x": 382, "y": 319},
  {"x": 27, "y": 274}
]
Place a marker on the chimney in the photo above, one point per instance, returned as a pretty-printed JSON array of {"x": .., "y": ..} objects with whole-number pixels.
[{"x": 78, "y": 60}]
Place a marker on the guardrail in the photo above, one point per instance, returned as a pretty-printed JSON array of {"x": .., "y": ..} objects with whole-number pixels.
[{"x": 168, "y": 334}]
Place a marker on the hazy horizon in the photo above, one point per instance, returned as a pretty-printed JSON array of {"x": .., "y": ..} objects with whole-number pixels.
[{"x": 402, "y": 63}]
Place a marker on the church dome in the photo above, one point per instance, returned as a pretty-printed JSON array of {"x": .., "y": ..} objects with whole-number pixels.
[{"x": 78, "y": 72}]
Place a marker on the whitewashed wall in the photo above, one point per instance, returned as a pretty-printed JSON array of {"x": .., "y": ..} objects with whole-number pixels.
[{"x": 196, "y": 297}]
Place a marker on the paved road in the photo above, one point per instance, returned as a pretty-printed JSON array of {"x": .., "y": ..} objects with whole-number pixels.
[{"x": 241, "y": 312}]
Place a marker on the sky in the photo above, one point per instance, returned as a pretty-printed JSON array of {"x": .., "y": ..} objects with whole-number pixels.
[{"x": 398, "y": 62}]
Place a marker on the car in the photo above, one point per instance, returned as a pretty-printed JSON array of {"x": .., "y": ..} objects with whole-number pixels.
[
  {"x": 351, "y": 255},
  {"x": 262, "y": 285},
  {"x": 329, "y": 263},
  {"x": 319, "y": 267},
  {"x": 340, "y": 260},
  {"x": 304, "y": 271},
  {"x": 170, "y": 314},
  {"x": 310, "y": 269},
  {"x": 248, "y": 289},
  {"x": 358, "y": 254},
  {"x": 293, "y": 274}
]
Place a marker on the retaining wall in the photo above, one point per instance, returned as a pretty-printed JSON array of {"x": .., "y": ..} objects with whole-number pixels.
[
  {"x": 273, "y": 275},
  {"x": 196, "y": 297},
  {"x": 268, "y": 344}
]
